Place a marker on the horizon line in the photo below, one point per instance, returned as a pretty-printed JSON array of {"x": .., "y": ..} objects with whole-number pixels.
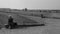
[{"x": 32, "y": 8}]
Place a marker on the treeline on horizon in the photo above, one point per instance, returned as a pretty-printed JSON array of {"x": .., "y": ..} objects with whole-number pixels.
[{"x": 32, "y": 10}]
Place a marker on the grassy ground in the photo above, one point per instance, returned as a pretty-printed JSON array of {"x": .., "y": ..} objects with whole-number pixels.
[
  {"x": 52, "y": 25},
  {"x": 19, "y": 18}
]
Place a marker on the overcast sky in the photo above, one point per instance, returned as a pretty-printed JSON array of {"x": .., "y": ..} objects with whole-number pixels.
[{"x": 35, "y": 4}]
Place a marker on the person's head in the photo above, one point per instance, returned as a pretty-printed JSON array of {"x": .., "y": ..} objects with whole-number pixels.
[{"x": 10, "y": 16}]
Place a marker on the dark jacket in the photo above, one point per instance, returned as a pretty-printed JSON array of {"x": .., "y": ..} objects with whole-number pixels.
[{"x": 10, "y": 20}]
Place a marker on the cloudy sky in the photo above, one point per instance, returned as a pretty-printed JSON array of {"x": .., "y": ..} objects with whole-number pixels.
[{"x": 34, "y": 4}]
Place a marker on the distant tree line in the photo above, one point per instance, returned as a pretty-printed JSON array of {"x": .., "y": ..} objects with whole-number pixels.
[{"x": 50, "y": 11}]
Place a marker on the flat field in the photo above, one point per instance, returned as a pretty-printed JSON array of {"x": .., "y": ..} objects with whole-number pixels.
[{"x": 52, "y": 25}]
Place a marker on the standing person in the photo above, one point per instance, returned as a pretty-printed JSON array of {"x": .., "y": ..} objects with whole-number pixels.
[
  {"x": 42, "y": 16},
  {"x": 10, "y": 21}
]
